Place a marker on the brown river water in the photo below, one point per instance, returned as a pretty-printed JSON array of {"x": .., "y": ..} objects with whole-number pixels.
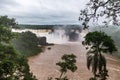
[{"x": 44, "y": 64}]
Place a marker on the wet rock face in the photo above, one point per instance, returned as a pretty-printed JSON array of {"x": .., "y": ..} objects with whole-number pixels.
[
  {"x": 42, "y": 40},
  {"x": 73, "y": 36}
]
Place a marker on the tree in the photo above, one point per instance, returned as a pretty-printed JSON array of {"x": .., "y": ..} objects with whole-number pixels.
[
  {"x": 27, "y": 44},
  {"x": 4, "y": 20},
  {"x": 12, "y": 65},
  {"x": 68, "y": 63},
  {"x": 109, "y": 9},
  {"x": 98, "y": 43}
]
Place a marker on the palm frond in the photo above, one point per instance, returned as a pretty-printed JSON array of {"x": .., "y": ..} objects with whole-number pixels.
[
  {"x": 95, "y": 64},
  {"x": 89, "y": 60},
  {"x": 102, "y": 63}
]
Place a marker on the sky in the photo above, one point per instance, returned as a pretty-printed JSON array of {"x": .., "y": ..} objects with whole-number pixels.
[{"x": 43, "y": 11}]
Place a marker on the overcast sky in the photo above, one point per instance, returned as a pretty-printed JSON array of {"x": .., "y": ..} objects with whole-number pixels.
[{"x": 43, "y": 11}]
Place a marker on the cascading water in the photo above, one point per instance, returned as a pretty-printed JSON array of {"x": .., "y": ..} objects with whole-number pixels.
[{"x": 60, "y": 37}]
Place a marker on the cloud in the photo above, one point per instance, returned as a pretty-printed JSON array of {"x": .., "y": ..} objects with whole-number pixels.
[
  {"x": 43, "y": 11},
  {"x": 6, "y": 4}
]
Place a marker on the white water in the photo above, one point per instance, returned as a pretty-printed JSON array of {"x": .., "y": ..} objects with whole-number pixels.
[{"x": 58, "y": 37}]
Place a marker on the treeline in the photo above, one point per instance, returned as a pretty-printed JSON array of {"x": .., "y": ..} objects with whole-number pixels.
[
  {"x": 35, "y": 26},
  {"x": 23, "y": 26}
]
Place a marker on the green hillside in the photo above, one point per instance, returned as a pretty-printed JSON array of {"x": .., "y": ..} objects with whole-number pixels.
[{"x": 27, "y": 44}]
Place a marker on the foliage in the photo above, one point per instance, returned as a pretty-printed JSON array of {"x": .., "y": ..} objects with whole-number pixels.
[
  {"x": 10, "y": 66},
  {"x": 5, "y": 34},
  {"x": 109, "y": 9},
  {"x": 23, "y": 67},
  {"x": 27, "y": 44},
  {"x": 68, "y": 63},
  {"x": 114, "y": 32},
  {"x": 4, "y": 20},
  {"x": 98, "y": 42}
]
